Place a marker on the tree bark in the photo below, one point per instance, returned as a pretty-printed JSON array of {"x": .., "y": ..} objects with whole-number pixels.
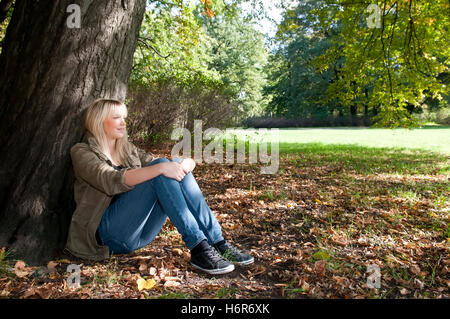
[{"x": 50, "y": 73}]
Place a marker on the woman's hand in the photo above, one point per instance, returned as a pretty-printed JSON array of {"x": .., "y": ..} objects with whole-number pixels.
[
  {"x": 173, "y": 170},
  {"x": 188, "y": 164}
]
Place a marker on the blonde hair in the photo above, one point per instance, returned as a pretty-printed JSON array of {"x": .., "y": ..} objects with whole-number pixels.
[{"x": 96, "y": 114}]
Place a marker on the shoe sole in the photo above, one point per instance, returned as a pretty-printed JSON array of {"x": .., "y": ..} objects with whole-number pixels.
[
  {"x": 219, "y": 271},
  {"x": 245, "y": 262}
]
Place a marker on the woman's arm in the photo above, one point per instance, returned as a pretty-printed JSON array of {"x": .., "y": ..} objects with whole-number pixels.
[
  {"x": 90, "y": 168},
  {"x": 139, "y": 175}
]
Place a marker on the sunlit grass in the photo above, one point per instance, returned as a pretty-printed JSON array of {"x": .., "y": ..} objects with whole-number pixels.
[
  {"x": 363, "y": 150},
  {"x": 430, "y": 138}
]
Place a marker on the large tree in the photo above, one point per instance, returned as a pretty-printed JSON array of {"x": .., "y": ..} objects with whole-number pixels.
[
  {"x": 297, "y": 88},
  {"x": 49, "y": 74},
  {"x": 396, "y": 53}
]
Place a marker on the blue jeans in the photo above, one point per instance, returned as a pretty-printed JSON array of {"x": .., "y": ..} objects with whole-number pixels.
[{"x": 135, "y": 217}]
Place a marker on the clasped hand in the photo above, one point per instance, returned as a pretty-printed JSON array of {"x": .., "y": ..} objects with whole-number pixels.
[{"x": 177, "y": 170}]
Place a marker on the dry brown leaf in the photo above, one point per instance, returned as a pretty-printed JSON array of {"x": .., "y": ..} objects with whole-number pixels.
[
  {"x": 177, "y": 251},
  {"x": 51, "y": 266},
  {"x": 319, "y": 267},
  {"x": 142, "y": 266},
  {"x": 152, "y": 271},
  {"x": 171, "y": 284},
  {"x": 414, "y": 269},
  {"x": 170, "y": 278},
  {"x": 305, "y": 286},
  {"x": 21, "y": 270},
  {"x": 30, "y": 292},
  {"x": 404, "y": 291}
]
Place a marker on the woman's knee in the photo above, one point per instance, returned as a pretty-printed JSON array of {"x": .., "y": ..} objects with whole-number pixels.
[{"x": 158, "y": 160}]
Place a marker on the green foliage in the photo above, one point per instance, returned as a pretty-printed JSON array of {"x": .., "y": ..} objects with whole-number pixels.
[
  {"x": 298, "y": 88},
  {"x": 4, "y": 25},
  {"x": 206, "y": 49},
  {"x": 333, "y": 59},
  {"x": 401, "y": 62},
  {"x": 237, "y": 52},
  {"x": 5, "y": 262},
  {"x": 321, "y": 255},
  {"x": 171, "y": 48}
]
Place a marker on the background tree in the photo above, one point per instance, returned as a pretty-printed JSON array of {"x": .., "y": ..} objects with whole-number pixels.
[
  {"x": 201, "y": 61},
  {"x": 238, "y": 53},
  {"x": 297, "y": 87},
  {"x": 336, "y": 56},
  {"x": 403, "y": 58}
]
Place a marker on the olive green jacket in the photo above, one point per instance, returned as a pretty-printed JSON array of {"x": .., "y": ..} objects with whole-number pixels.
[{"x": 95, "y": 185}]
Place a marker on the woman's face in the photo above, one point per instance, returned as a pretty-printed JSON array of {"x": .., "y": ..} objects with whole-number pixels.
[{"x": 114, "y": 124}]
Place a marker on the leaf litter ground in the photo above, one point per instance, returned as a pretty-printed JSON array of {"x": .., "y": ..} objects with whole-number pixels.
[{"x": 314, "y": 229}]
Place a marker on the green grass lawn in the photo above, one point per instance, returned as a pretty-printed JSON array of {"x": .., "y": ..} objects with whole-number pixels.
[
  {"x": 367, "y": 150},
  {"x": 430, "y": 138}
]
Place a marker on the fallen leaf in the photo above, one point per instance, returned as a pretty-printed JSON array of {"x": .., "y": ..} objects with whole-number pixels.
[
  {"x": 21, "y": 270},
  {"x": 30, "y": 292},
  {"x": 152, "y": 271},
  {"x": 145, "y": 284},
  {"x": 171, "y": 283},
  {"x": 169, "y": 278},
  {"x": 339, "y": 240},
  {"x": 51, "y": 266},
  {"x": 404, "y": 291},
  {"x": 305, "y": 286},
  {"x": 143, "y": 266},
  {"x": 177, "y": 251},
  {"x": 415, "y": 269},
  {"x": 319, "y": 267}
]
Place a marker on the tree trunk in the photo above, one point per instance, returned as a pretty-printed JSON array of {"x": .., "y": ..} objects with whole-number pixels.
[
  {"x": 353, "y": 113},
  {"x": 50, "y": 73}
]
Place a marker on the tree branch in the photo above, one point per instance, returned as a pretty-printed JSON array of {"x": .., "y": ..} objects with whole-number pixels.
[
  {"x": 386, "y": 59},
  {"x": 144, "y": 42}
]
